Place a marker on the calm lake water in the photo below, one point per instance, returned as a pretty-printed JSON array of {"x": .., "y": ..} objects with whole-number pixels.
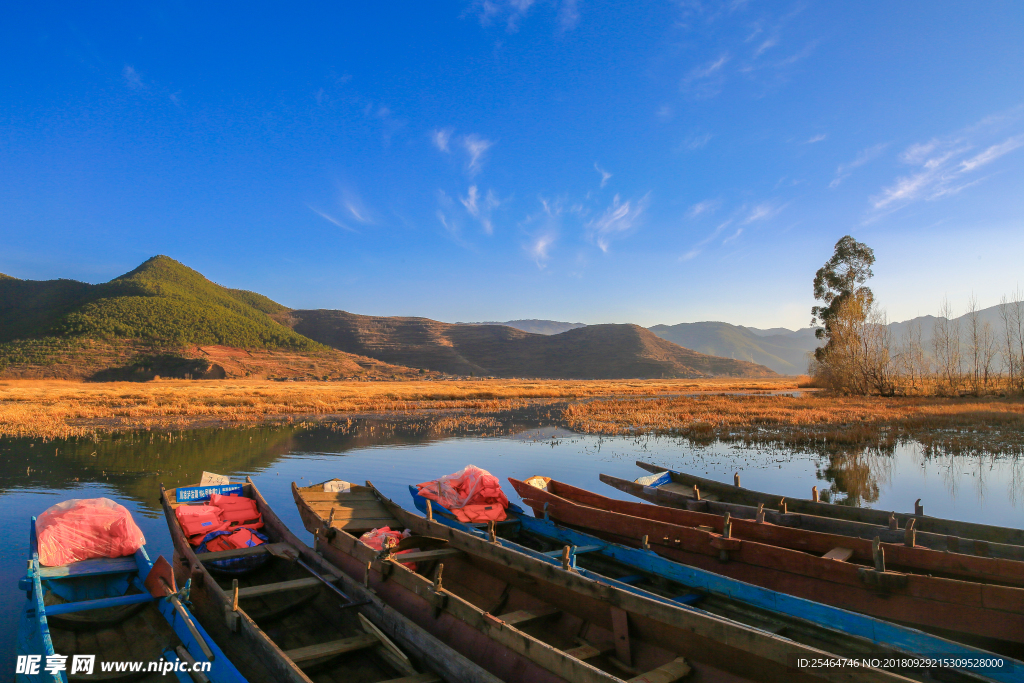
[{"x": 130, "y": 468}]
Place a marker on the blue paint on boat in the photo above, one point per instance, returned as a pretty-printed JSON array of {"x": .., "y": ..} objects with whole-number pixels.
[
  {"x": 909, "y": 641},
  {"x": 82, "y": 585}
]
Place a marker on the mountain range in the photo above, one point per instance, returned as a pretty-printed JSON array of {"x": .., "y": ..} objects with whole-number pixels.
[{"x": 166, "y": 319}]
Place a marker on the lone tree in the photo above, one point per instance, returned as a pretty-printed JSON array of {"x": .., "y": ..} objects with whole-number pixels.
[{"x": 840, "y": 285}]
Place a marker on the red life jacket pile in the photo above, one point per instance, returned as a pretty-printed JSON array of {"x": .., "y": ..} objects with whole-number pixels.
[
  {"x": 472, "y": 494},
  {"x": 379, "y": 538},
  {"x": 233, "y": 513}
]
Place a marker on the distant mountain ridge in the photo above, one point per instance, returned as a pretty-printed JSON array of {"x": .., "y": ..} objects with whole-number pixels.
[
  {"x": 535, "y": 326},
  {"x": 592, "y": 351}
]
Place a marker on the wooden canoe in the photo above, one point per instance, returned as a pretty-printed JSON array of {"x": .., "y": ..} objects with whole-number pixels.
[
  {"x": 296, "y": 618},
  {"x": 944, "y": 605},
  {"x": 661, "y": 489},
  {"x": 952, "y": 535},
  {"x": 807, "y": 622},
  {"x": 529, "y": 612},
  {"x": 105, "y": 607},
  {"x": 903, "y": 553}
]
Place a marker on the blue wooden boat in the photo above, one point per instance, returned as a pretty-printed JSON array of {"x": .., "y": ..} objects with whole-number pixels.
[
  {"x": 646, "y": 573},
  {"x": 121, "y": 610}
]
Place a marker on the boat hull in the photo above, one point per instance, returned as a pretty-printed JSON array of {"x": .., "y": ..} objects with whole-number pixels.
[
  {"x": 988, "y": 611},
  {"x": 717, "y": 649}
]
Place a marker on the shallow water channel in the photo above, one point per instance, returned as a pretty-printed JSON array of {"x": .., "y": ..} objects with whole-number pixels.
[{"x": 130, "y": 468}]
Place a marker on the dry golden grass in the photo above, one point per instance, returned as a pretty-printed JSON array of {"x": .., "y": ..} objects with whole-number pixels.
[
  {"x": 61, "y": 409},
  {"x": 951, "y": 424}
]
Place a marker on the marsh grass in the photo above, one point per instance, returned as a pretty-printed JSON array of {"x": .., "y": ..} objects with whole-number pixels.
[
  {"x": 941, "y": 425},
  {"x": 61, "y": 409}
]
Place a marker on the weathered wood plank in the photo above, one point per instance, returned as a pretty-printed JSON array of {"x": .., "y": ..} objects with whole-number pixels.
[
  {"x": 520, "y": 618},
  {"x": 334, "y": 647},
  {"x": 279, "y": 587},
  {"x": 427, "y": 555},
  {"x": 840, "y": 554},
  {"x": 320, "y": 496},
  {"x": 239, "y": 552},
  {"x": 666, "y": 673}
]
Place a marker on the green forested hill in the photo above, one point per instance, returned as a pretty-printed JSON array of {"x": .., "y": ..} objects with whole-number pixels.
[{"x": 161, "y": 300}]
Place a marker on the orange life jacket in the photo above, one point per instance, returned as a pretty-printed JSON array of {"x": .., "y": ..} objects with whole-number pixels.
[
  {"x": 243, "y": 538},
  {"x": 238, "y": 511},
  {"x": 198, "y": 520},
  {"x": 471, "y": 514}
]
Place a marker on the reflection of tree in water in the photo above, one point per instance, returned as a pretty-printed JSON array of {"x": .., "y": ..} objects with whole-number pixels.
[
  {"x": 854, "y": 474},
  {"x": 981, "y": 467}
]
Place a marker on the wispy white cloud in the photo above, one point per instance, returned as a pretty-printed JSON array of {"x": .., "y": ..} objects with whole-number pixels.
[
  {"x": 512, "y": 13},
  {"x": 864, "y": 156},
  {"x": 697, "y": 141},
  {"x": 763, "y": 212},
  {"x": 330, "y": 219},
  {"x": 476, "y": 147},
  {"x": 705, "y": 80},
  {"x": 568, "y": 15},
  {"x": 699, "y": 246},
  {"x": 480, "y": 207},
  {"x": 605, "y": 175},
  {"x": 132, "y": 78},
  {"x": 765, "y": 46},
  {"x": 733, "y": 237},
  {"x": 355, "y": 206},
  {"x": 946, "y": 165},
  {"x": 539, "y": 249},
  {"x": 817, "y": 138},
  {"x": 619, "y": 218},
  {"x": 707, "y": 206},
  {"x": 992, "y": 153},
  {"x": 441, "y": 137}
]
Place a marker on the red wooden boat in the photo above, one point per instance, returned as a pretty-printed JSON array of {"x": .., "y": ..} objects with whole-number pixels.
[{"x": 845, "y": 574}]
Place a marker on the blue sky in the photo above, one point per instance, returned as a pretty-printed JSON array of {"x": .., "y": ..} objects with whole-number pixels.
[{"x": 648, "y": 162}]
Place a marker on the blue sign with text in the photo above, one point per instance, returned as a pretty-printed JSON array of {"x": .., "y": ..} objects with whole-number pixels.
[{"x": 194, "y": 494}]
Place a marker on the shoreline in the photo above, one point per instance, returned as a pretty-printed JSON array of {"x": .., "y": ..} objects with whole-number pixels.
[{"x": 752, "y": 412}]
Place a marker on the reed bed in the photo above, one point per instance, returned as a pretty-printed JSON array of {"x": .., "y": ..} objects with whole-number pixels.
[
  {"x": 982, "y": 424},
  {"x": 61, "y": 409}
]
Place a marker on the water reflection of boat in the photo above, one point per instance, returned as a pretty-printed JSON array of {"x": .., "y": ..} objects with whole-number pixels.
[
  {"x": 298, "y": 618},
  {"x": 805, "y": 621},
  {"x": 531, "y": 620},
  {"x": 111, "y": 611},
  {"x": 984, "y": 540},
  {"x": 738, "y": 549}
]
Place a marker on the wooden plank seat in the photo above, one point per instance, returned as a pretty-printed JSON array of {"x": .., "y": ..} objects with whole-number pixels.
[
  {"x": 588, "y": 650},
  {"x": 241, "y": 552},
  {"x": 101, "y": 565},
  {"x": 666, "y": 673},
  {"x": 522, "y": 617},
  {"x": 427, "y": 555},
  {"x": 332, "y": 648},
  {"x": 839, "y": 554},
  {"x": 280, "y": 586}
]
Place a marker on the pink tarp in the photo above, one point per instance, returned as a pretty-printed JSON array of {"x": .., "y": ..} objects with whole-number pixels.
[
  {"x": 84, "y": 529},
  {"x": 472, "y": 494}
]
